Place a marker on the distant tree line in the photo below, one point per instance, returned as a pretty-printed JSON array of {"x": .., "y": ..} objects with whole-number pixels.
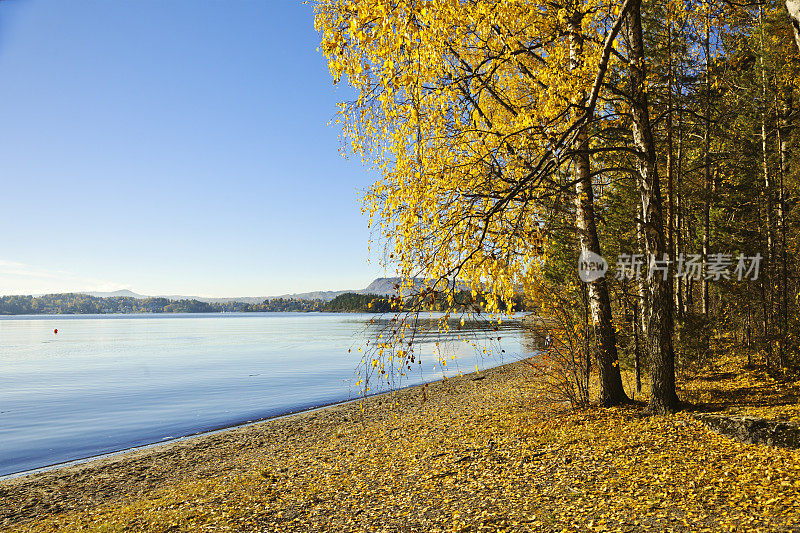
[
  {"x": 463, "y": 301},
  {"x": 283, "y": 305},
  {"x": 349, "y": 302},
  {"x": 84, "y": 304},
  {"x": 81, "y": 304},
  {"x": 364, "y": 303}
]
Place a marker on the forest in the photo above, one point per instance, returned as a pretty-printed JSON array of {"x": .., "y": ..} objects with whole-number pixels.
[
  {"x": 519, "y": 143},
  {"x": 78, "y": 303},
  {"x": 624, "y": 171}
]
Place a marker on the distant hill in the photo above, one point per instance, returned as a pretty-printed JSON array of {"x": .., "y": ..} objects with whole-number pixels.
[
  {"x": 241, "y": 299},
  {"x": 386, "y": 286},
  {"x": 373, "y": 298},
  {"x": 124, "y": 293},
  {"x": 325, "y": 296},
  {"x": 81, "y": 303},
  {"x": 379, "y": 286}
]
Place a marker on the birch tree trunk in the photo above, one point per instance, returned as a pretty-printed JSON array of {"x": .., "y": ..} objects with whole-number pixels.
[
  {"x": 769, "y": 270},
  {"x": 680, "y": 301},
  {"x": 611, "y": 391},
  {"x": 793, "y": 7},
  {"x": 784, "y": 129},
  {"x": 706, "y": 171},
  {"x": 659, "y": 318}
]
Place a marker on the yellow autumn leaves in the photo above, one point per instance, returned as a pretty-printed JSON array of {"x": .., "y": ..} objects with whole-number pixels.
[
  {"x": 457, "y": 462},
  {"x": 454, "y": 102}
]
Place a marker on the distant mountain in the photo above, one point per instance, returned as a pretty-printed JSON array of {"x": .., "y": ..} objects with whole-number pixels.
[
  {"x": 124, "y": 293},
  {"x": 373, "y": 298},
  {"x": 325, "y": 296},
  {"x": 241, "y": 299},
  {"x": 379, "y": 286},
  {"x": 386, "y": 286}
]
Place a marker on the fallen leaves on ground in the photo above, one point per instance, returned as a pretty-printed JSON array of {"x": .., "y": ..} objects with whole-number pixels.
[
  {"x": 479, "y": 456},
  {"x": 732, "y": 386}
]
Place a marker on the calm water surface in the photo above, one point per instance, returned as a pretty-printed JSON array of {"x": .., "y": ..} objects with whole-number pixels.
[{"x": 111, "y": 382}]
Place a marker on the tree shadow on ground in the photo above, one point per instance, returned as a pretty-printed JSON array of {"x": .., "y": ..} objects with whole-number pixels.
[{"x": 739, "y": 389}]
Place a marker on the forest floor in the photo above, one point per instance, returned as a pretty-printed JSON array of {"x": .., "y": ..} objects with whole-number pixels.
[{"x": 469, "y": 455}]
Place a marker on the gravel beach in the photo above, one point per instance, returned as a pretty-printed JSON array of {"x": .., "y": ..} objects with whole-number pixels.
[{"x": 136, "y": 475}]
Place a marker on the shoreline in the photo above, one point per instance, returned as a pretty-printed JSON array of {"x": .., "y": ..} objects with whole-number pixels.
[
  {"x": 26, "y": 456},
  {"x": 204, "y": 433},
  {"x": 89, "y": 458},
  {"x": 133, "y": 472},
  {"x": 518, "y": 315},
  {"x": 469, "y": 453}
]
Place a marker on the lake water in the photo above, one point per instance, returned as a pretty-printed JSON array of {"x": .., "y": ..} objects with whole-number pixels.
[{"x": 112, "y": 382}]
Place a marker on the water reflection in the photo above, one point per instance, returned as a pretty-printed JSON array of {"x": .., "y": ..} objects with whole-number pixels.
[{"x": 109, "y": 383}]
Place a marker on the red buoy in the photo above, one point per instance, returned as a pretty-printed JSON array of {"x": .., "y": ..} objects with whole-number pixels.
[{"x": 55, "y": 331}]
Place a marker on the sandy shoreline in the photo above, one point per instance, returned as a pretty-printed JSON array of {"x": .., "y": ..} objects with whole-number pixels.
[
  {"x": 200, "y": 434},
  {"x": 471, "y": 453},
  {"x": 128, "y": 475}
]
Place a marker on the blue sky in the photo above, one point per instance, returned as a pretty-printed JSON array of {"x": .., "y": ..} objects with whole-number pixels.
[{"x": 173, "y": 147}]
